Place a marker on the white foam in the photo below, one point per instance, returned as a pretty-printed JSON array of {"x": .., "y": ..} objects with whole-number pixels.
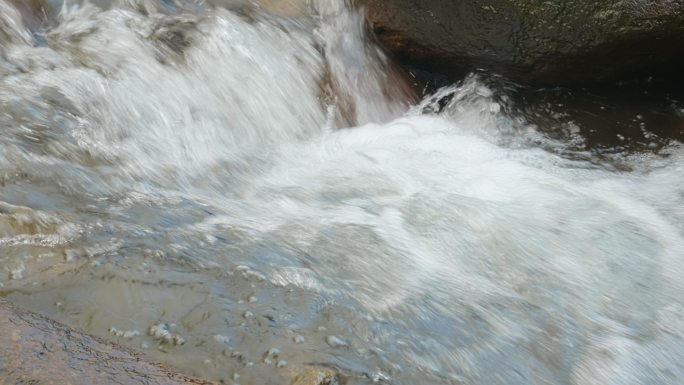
[{"x": 426, "y": 220}]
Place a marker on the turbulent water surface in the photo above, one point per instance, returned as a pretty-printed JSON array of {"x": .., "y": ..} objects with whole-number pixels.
[{"x": 243, "y": 189}]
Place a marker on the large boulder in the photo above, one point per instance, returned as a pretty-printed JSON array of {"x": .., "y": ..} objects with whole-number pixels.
[{"x": 532, "y": 41}]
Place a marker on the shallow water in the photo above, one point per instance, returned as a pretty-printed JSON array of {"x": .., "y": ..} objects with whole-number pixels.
[{"x": 242, "y": 190}]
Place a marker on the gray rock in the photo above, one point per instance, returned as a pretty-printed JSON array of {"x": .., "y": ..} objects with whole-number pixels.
[{"x": 532, "y": 41}]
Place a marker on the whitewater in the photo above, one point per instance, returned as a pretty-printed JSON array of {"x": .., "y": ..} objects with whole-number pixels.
[{"x": 243, "y": 190}]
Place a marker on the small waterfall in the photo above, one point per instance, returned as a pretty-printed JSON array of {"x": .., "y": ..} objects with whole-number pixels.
[{"x": 250, "y": 176}]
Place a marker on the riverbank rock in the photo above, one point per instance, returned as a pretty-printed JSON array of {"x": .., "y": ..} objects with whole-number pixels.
[
  {"x": 35, "y": 350},
  {"x": 532, "y": 41}
]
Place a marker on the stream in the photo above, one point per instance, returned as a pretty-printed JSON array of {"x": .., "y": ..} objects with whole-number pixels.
[{"x": 245, "y": 189}]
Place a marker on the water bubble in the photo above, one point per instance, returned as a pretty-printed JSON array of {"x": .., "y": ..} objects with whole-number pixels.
[
  {"x": 221, "y": 339},
  {"x": 162, "y": 332},
  {"x": 18, "y": 272},
  {"x": 178, "y": 340},
  {"x": 380, "y": 376},
  {"x": 130, "y": 334},
  {"x": 336, "y": 342}
]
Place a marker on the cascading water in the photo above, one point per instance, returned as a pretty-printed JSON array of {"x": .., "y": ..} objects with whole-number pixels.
[{"x": 212, "y": 181}]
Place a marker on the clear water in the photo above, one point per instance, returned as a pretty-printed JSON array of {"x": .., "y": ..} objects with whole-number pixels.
[{"x": 259, "y": 176}]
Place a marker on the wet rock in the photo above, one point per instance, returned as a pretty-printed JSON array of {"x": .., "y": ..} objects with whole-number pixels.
[
  {"x": 533, "y": 41},
  {"x": 34, "y": 349},
  {"x": 316, "y": 376},
  {"x": 291, "y": 8}
]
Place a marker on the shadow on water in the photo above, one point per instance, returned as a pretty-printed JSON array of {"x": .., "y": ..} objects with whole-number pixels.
[
  {"x": 643, "y": 113},
  {"x": 633, "y": 115}
]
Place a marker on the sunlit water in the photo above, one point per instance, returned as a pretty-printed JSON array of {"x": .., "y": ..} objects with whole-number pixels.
[{"x": 258, "y": 177}]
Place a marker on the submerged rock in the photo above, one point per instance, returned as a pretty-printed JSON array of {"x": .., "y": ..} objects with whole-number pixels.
[
  {"x": 316, "y": 376},
  {"x": 37, "y": 350},
  {"x": 532, "y": 41}
]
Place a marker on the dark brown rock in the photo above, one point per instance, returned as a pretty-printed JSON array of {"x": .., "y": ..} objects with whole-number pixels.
[
  {"x": 35, "y": 350},
  {"x": 532, "y": 41}
]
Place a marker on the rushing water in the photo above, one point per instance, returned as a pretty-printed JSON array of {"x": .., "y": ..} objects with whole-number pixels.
[{"x": 208, "y": 181}]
